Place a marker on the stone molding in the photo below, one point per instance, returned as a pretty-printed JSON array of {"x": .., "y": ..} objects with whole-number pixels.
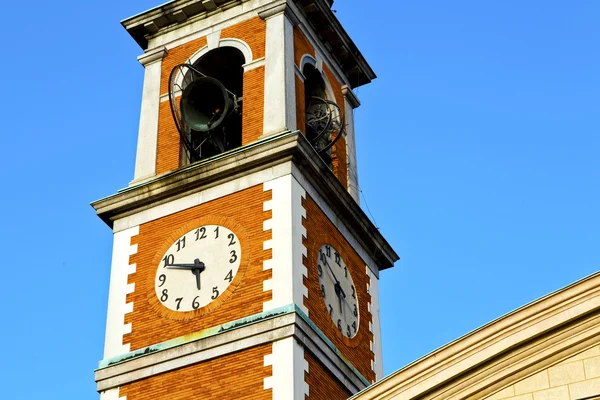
[
  {"x": 263, "y": 154},
  {"x": 253, "y": 331},
  {"x": 279, "y": 9},
  {"x": 174, "y": 14},
  {"x": 350, "y": 96},
  {"x": 152, "y": 56},
  {"x": 504, "y": 351}
]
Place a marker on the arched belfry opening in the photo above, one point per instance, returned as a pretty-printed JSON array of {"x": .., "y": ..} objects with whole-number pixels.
[
  {"x": 206, "y": 101},
  {"x": 324, "y": 123}
]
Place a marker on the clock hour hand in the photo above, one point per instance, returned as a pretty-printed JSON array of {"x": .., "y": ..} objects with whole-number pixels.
[
  {"x": 197, "y": 272},
  {"x": 197, "y": 268}
]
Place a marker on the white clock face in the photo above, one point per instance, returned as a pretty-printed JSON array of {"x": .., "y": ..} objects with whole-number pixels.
[
  {"x": 197, "y": 268},
  {"x": 338, "y": 290}
]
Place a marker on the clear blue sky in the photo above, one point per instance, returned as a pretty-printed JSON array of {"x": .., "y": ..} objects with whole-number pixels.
[{"x": 478, "y": 156}]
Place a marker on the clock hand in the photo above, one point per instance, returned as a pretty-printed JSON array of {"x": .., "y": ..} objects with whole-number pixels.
[
  {"x": 200, "y": 267},
  {"x": 197, "y": 268},
  {"x": 332, "y": 273},
  {"x": 196, "y": 272},
  {"x": 181, "y": 266}
]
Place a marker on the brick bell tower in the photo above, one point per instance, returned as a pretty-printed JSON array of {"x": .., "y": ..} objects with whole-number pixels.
[{"x": 243, "y": 266}]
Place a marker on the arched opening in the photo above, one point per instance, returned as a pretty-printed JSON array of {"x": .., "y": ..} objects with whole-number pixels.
[
  {"x": 225, "y": 65},
  {"x": 318, "y": 113}
]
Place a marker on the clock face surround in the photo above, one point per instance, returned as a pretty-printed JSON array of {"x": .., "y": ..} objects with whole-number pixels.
[
  {"x": 338, "y": 290},
  {"x": 197, "y": 268}
]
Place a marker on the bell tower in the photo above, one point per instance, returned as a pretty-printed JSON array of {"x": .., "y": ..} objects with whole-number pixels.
[{"x": 243, "y": 266}]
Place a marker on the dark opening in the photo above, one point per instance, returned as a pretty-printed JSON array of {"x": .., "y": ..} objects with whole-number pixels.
[
  {"x": 314, "y": 88},
  {"x": 225, "y": 65}
]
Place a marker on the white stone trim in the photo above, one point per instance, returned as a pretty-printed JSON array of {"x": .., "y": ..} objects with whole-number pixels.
[
  {"x": 212, "y": 40},
  {"x": 152, "y": 56},
  {"x": 203, "y": 196},
  {"x": 280, "y": 98},
  {"x": 259, "y": 62},
  {"x": 310, "y": 60},
  {"x": 239, "y": 44},
  {"x": 145, "y": 160},
  {"x": 286, "y": 228},
  {"x": 353, "y": 187},
  {"x": 376, "y": 345},
  {"x": 119, "y": 289},
  {"x": 111, "y": 394},
  {"x": 299, "y": 73},
  {"x": 318, "y": 64},
  {"x": 289, "y": 366},
  {"x": 205, "y": 345},
  {"x": 201, "y": 26}
]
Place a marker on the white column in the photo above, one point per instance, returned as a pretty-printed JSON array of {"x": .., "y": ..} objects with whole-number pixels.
[
  {"x": 117, "y": 294},
  {"x": 289, "y": 367},
  {"x": 376, "y": 324},
  {"x": 280, "y": 89},
  {"x": 145, "y": 159},
  {"x": 350, "y": 103},
  {"x": 287, "y": 283}
]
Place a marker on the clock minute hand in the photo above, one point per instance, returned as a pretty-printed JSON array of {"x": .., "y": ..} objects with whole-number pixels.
[
  {"x": 332, "y": 273},
  {"x": 181, "y": 266}
]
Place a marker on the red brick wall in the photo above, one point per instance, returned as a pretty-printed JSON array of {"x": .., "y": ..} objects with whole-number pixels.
[
  {"x": 320, "y": 230},
  {"x": 321, "y": 384},
  {"x": 234, "y": 376},
  {"x": 254, "y": 105},
  {"x": 300, "y": 108},
  {"x": 243, "y": 213},
  {"x": 301, "y": 46}
]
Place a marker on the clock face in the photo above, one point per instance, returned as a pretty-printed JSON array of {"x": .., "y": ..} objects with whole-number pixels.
[
  {"x": 197, "y": 268},
  {"x": 338, "y": 290}
]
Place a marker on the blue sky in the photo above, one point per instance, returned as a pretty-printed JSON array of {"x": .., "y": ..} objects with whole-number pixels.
[{"x": 478, "y": 153}]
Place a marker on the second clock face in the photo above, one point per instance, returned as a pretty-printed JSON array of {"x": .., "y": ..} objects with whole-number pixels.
[
  {"x": 338, "y": 290},
  {"x": 197, "y": 268}
]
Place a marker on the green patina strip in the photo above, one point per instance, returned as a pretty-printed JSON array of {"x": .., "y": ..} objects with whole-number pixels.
[
  {"x": 203, "y": 334},
  {"x": 331, "y": 345}
]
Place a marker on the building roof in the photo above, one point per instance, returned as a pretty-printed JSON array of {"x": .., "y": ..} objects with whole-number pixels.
[{"x": 509, "y": 349}]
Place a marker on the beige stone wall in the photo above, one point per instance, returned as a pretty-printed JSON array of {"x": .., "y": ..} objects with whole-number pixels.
[{"x": 575, "y": 378}]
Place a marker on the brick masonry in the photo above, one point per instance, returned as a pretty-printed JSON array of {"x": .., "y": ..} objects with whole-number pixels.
[
  {"x": 321, "y": 384},
  {"x": 234, "y": 376},
  {"x": 320, "y": 230},
  {"x": 242, "y": 212}
]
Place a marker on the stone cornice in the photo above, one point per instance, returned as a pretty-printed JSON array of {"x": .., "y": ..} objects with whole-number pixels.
[
  {"x": 279, "y": 9},
  {"x": 318, "y": 13},
  {"x": 263, "y": 154},
  {"x": 507, "y": 350},
  {"x": 350, "y": 96},
  {"x": 232, "y": 337},
  {"x": 153, "y": 56}
]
